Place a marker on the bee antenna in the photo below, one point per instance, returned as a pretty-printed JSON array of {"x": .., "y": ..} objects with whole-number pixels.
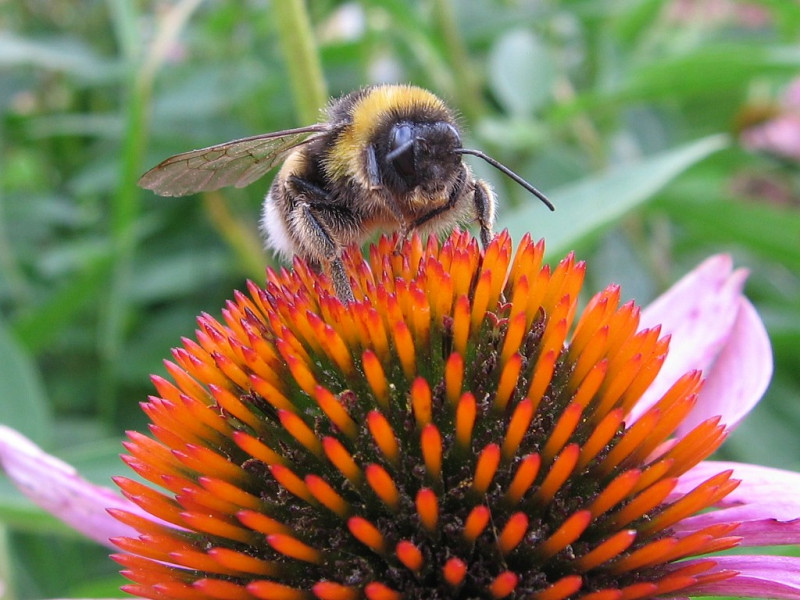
[{"x": 501, "y": 167}]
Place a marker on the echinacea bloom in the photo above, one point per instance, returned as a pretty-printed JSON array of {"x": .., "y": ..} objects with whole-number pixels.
[{"x": 461, "y": 430}]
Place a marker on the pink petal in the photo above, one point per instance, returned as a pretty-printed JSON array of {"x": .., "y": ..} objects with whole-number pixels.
[
  {"x": 740, "y": 374},
  {"x": 769, "y": 532},
  {"x": 766, "y": 503},
  {"x": 758, "y": 577},
  {"x": 57, "y": 488},
  {"x": 754, "y": 531},
  {"x": 764, "y": 486},
  {"x": 713, "y": 327},
  {"x": 698, "y": 312}
]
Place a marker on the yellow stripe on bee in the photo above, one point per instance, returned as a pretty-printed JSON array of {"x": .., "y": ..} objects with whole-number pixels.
[
  {"x": 347, "y": 156},
  {"x": 294, "y": 164}
]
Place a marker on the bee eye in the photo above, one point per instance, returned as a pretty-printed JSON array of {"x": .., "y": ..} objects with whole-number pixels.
[{"x": 401, "y": 150}]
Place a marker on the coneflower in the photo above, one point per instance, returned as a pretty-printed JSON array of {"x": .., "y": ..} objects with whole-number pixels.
[
  {"x": 458, "y": 432},
  {"x": 461, "y": 430}
]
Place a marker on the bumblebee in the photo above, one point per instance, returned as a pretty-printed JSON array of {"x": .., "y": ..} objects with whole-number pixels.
[{"x": 385, "y": 158}]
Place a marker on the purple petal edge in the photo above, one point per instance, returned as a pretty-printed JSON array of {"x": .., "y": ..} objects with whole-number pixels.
[
  {"x": 57, "y": 488},
  {"x": 759, "y": 576},
  {"x": 766, "y": 503},
  {"x": 776, "y": 490}
]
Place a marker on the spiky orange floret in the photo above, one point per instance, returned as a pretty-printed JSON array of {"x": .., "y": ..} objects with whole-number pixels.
[{"x": 442, "y": 436}]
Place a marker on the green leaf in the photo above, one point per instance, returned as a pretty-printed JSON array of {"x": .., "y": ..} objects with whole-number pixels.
[
  {"x": 521, "y": 72},
  {"x": 584, "y": 208},
  {"x": 706, "y": 76},
  {"x": 710, "y": 70},
  {"x": 176, "y": 274},
  {"x": 23, "y": 403},
  {"x": 66, "y": 54},
  {"x": 98, "y": 461},
  {"x": 99, "y": 587},
  {"x": 23, "y": 515},
  {"x": 56, "y": 566},
  {"x": 773, "y": 231},
  {"x": 39, "y": 326}
]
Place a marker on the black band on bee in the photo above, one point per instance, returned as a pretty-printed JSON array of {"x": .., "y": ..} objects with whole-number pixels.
[{"x": 501, "y": 167}]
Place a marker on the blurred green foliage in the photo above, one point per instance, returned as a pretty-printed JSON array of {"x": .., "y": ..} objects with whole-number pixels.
[{"x": 626, "y": 114}]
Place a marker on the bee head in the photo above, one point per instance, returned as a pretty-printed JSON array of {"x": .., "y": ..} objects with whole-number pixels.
[{"x": 420, "y": 155}]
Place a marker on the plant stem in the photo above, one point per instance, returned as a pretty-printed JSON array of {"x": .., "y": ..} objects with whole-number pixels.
[
  {"x": 467, "y": 82},
  {"x": 300, "y": 51}
]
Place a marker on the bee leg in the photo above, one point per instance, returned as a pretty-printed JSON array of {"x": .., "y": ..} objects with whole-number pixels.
[
  {"x": 308, "y": 189},
  {"x": 341, "y": 282},
  {"x": 485, "y": 203},
  {"x": 326, "y": 249},
  {"x": 484, "y": 200},
  {"x": 402, "y": 236},
  {"x": 330, "y": 253}
]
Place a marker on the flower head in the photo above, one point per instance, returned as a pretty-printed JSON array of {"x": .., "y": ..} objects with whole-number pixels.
[{"x": 459, "y": 431}]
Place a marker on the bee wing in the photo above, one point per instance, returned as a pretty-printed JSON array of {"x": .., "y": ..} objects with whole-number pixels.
[{"x": 237, "y": 163}]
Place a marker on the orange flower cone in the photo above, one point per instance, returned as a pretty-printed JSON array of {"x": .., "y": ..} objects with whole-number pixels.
[{"x": 457, "y": 432}]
